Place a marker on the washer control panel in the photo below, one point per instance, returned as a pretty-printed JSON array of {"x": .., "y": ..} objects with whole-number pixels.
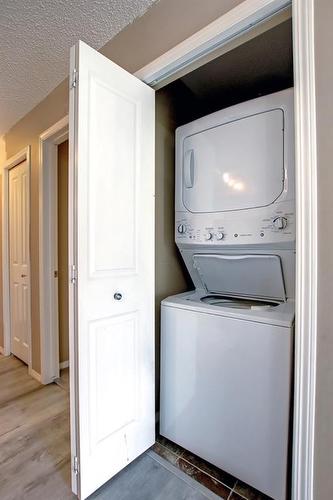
[{"x": 237, "y": 228}]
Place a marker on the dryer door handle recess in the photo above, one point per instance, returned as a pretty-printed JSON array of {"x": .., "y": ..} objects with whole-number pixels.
[{"x": 188, "y": 169}]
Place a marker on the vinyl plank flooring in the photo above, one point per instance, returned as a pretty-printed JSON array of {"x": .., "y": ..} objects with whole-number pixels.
[
  {"x": 9, "y": 363},
  {"x": 63, "y": 380},
  {"x": 34, "y": 437},
  {"x": 31, "y": 408},
  {"x": 15, "y": 381}
]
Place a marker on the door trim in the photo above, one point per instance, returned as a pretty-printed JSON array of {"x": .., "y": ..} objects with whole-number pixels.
[
  {"x": 157, "y": 74},
  {"x": 48, "y": 248},
  {"x": 23, "y": 155},
  {"x": 218, "y": 33},
  {"x": 306, "y": 257}
]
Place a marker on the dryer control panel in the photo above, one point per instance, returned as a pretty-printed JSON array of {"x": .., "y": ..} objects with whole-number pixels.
[{"x": 275, "y": 224}]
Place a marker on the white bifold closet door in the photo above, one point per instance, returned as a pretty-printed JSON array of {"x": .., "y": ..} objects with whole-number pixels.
[
  {"x": 19, "y": 267},
  {"x": 111, "y": 251}
]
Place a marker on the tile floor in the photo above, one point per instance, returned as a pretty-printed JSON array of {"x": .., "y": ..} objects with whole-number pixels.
[
  {"x": 151, "y": 478},
  {"x": 221, "y": 483}
]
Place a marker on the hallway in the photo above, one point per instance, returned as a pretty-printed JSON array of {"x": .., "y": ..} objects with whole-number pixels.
[{"x": 34, "y": 436}]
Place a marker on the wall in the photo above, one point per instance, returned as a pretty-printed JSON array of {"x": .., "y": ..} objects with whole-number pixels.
[
  {"x": 138, "y": 44},
  {"x": 171, "y": 276},
  {"x": 323, "y": 481},
  {"x": 63, "y": 251},
  {"x": 2, "y": 161}
]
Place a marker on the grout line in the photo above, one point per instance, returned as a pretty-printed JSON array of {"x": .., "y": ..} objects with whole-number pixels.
[
  {"x": 198, "y": 468},
  {"x": 170, "y": 451},
  {"x": 237, "y": 493},
  {"x": 193, "y": 483},
  {"x": 181, "y": 455},
  {"x": 207, "y": 474}
]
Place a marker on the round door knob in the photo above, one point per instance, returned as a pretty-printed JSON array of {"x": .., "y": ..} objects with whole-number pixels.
[
  {"x": 219, "y": 236},
  {"x": 280, "y": 222},
  {"x": 208, "y": 236},
  {"x": 181, "y": 229},
  {"x": 117, "y": 296}
]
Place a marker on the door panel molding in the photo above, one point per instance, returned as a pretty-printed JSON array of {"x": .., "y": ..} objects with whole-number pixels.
[
  {"x": 48, "y": 248},
  {"x": 21, "y": 156},
  {"x": 112, "y": 116}
]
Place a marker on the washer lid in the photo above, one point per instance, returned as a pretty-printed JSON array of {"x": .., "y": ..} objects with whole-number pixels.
[{"x": 256, "y": 276}]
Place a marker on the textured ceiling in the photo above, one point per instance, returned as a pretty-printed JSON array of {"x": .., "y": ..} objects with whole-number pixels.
[{"x": 35, "y": 38}]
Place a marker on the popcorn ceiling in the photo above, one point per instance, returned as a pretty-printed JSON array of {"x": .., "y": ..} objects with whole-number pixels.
[{"x": 35, "y": 38}]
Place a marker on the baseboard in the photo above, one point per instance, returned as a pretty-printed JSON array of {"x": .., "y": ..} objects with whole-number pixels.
[
  {"x": 64, "y": 364},
  {"x": 35, "y": 375}
]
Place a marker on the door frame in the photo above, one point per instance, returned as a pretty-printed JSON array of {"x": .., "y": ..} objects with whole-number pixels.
[
  {"x": 48, "y": 249},
  {"x": 13, "y": 161},
  {"x": 187, "y": 53}
]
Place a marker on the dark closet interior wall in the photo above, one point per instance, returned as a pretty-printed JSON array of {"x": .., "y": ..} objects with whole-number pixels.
[
  {"x": 259, "y": 67},
  {"x": 171, "y": 275}
]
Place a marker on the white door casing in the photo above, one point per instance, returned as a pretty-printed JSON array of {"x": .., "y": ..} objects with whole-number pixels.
[
  {"x": 19, "y": 267},
  {"x": 112, "y": 122},
  {"x": 49, "y": 141}
]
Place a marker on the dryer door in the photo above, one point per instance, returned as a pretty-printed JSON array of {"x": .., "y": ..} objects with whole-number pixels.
[{"x": 236, "y": 165}]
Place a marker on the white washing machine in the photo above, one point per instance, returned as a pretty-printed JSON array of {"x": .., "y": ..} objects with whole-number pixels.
[{"x": 226, "y": 347}]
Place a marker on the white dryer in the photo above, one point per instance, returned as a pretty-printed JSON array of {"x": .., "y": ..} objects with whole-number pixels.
[{"x": 226, "y": 347}]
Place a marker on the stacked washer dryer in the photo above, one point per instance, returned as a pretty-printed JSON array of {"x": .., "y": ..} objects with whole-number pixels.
[{"x": 226, "y": 347}]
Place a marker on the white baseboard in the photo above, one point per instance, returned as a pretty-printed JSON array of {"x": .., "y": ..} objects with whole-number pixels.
[
  {"x": 35, "y": 375},
  {"x": 64, "y": 364}
]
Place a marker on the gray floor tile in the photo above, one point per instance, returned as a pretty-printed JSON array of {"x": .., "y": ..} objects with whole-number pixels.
[{"x": 146, "y": 479}]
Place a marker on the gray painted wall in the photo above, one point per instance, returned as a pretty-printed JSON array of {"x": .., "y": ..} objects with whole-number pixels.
[{"x": 323, "y": 484}]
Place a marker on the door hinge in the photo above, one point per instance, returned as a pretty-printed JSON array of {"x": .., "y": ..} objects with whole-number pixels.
[
  {"x": 76, "y": 465},
  {"x": 74, "y": 78},
  {"x": 73, "y": 274}
]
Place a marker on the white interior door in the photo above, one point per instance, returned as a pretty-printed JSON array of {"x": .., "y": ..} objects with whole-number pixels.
[
  {"x": 19, "y": 268},
  {"x": 112, "y": 122}
]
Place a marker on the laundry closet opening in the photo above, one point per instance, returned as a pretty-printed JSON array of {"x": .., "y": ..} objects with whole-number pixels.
[{"x": 259, "y": 65}]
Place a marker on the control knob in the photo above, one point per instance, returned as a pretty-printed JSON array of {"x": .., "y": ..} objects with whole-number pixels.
[
  {"x": 219, "y": 236},
  {"x": 208, "y": 236},
  {"x": 181, "y": 229},
  {"x": 280, "y": 222}
]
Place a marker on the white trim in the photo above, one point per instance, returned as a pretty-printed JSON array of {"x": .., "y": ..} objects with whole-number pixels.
[
  {"x": 48, "y": 249},
  {"x": 306, "y": 274},
  {"x": 72, "y": 258},
  {"x": 35, "y": 375},
  {"x": 23, "y": 155},
  {"x": 214, "y": 35},
  {"x": 2, "y": 351},
  {"x": 64, "y": 364}
]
